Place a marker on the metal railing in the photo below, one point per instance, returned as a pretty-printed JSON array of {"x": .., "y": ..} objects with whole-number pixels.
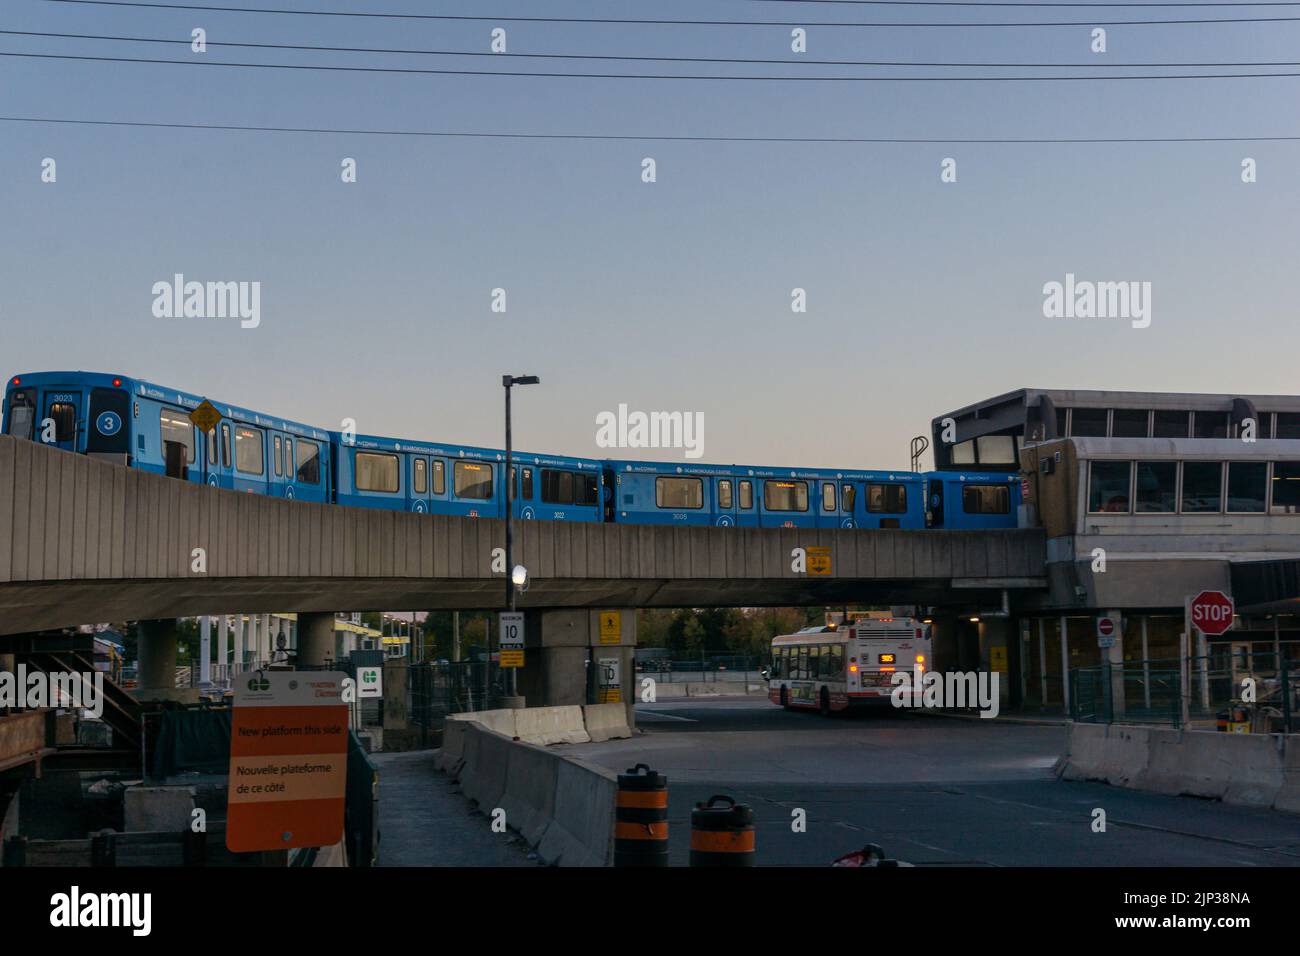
[
  {"x": 705, "y": 669},
  {"x": 1257, "y": 688},
  {"x": 459, "y": 687}
]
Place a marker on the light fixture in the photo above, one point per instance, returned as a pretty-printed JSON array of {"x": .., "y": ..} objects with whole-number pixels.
[
  {"x": 975, "y": 620},
  {"x": 519, "y": 576}
]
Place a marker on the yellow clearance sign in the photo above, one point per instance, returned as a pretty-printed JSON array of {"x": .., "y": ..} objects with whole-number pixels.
[
  {"x": 611, "y": 627},
  {"x": 819, "y": 561},
  {"x": 205, "y": 415},
  {"x": 288, "y": 761}
]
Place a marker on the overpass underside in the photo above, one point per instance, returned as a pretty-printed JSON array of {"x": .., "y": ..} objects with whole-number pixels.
[{"x": 84, "y": 541}]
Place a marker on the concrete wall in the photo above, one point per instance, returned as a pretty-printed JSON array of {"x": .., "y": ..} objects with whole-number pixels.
[
  {"x": 116, "y": 542},
  {"x": 1259, "y": 770}
]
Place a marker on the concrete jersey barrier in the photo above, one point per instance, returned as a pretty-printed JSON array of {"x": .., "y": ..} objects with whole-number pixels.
[{"x": 606, "y": 721}]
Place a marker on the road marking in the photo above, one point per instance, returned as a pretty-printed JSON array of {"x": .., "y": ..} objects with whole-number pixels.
[{"x": 663, "y": 716}]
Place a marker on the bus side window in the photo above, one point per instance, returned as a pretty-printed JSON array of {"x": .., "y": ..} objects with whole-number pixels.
[
  {"x": 836, "y": 662},
  {"x": 814, "y": 663}
]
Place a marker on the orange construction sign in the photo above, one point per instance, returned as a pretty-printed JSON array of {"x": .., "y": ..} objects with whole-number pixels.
[{"x": 288, "y": 761}]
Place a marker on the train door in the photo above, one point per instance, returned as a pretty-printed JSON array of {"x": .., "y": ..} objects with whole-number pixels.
[
  {"x": 419, "y": 485},
  {"x": 61, "y": 418},
  {"x": 524, "y": 489},
  {"x": 746, "y": 513},
  {"x": 828, "y": 505},
  {"x": 724, "y": 502},
  {"x": 934, "y": 503},
  {"x": 848, "y": 505},
  {"x": 276, "y": 485}
]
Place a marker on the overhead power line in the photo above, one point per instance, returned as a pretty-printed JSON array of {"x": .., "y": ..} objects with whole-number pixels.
[
  {"x": 653, "y": 76},
  {"x": 639, "y": 137},
  {"x": 883, "y": 24},
  {"x": 631, "y": 58}
]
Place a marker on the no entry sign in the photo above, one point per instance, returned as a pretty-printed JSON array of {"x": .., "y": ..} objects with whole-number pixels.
[
  {"x": 1212, "y": 612},
  {"x": 288, "y": 761},
  {"x": 1106, "y": 629}
]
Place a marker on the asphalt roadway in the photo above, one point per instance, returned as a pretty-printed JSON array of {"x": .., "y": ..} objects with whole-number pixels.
[{"x": 930, "y": 790}]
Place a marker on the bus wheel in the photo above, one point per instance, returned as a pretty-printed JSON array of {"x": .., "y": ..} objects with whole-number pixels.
[
  {"x": 785, "y": 699},
  {"x": 824, "y": 704}
]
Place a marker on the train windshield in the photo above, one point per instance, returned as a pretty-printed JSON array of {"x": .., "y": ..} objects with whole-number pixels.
[{"x": 21, "y": 416}]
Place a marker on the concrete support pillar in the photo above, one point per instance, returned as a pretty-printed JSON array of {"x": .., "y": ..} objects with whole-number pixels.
[
  {"x": 250, "y": 641},
  {"x": 943, "y": 643},
  {"x": 237, "y": 622},
  {"x": 315, "y": 639},
  {"x": 156, "y": 671},
  {"x": 267, "y": 645},
  {"x": 996, "y": 635},
  {"x": 223, "y": 644},
  {"x": 205, "y": 650},
  {"x": 580, "y": 657}
]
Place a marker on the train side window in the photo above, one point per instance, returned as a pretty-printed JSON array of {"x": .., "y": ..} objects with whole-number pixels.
[
  {"x": 308, "y": 462},
  {"x": 746, "y": 495},
  {"x": 377, "y": 472},
  {"x": 679, "y": 492},
  {"x": 250, "y": 451},
  {"x": 420, "y": 475},
  {"x": 848, "y": 495},
  {"x": 1157, "y": 487},
  {"x": 1169, "y": 424},
  {"x": 724, "y": 493},
  {"x": 528, "y": 484},
  {"x": 1286, "y": 488},
  {"x": 512, "y": 486},
  {"x": 1202, "y": 487},
  {"x": 225, "y": 446},
  {"x": 174, "y": 426},
  {"x": 1247, "y": 486},
  {"x": 472, "y": 480},
  {"x": 439, "y": 477},
  {"x": 585, "y": 490},
  {"x": 278, "y": 456},
  {"x": 828, "y": 496},
  {"x": 886, "y": 499},
  {"x": 557, "y": 487},
  {"x": 212, "y": 447},
  {"x": 988, "y": 499},
  {"x": 1108, "y": 486},
  {"x": 785, "y": 495}
]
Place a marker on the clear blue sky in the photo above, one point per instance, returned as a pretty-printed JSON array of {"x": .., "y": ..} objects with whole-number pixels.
[{"x": 672, "y": 296}]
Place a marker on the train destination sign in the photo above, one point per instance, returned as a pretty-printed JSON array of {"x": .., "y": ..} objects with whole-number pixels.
[{"x": 288, "y": 761}]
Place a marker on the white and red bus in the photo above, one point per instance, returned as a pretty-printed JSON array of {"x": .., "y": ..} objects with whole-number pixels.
[{"x": 835, "y": 668}]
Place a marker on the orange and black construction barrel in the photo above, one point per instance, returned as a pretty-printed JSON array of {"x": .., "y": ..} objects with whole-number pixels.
[
  {"x": 641, "y": 818},
  {"x": 722, "y": 833}
]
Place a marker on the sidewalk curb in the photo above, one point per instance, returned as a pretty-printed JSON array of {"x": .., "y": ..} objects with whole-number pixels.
[{"x": 1026, "y": 721}]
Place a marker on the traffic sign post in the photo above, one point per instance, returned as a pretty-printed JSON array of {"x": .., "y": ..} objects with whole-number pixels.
[{"x": 510, "y": 639}]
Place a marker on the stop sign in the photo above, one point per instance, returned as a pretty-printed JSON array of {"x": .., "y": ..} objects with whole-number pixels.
[{"x": 1212, "y": 612}]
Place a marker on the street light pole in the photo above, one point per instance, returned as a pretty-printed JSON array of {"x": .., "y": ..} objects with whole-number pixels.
[{"x": 508, "y": 381}]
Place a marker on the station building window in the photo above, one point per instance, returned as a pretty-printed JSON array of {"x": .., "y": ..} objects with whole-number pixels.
[
  {"x": 1157, "y": 487},
  {"x": 307, "y": 462},
  {"x": 1108, "y": 484},
  {"x": 472, "y": 480},
  {"x": 963, "y": 453},
  {"x": 1210, "y": 425},
  {"x": 1286, "y": 488},
  {"x": 679, "y": 492},
  {"x": 1061, "y": 422},
  {"x": 250, "y": 451},
  {"x": 1247, "y": 486},
  {"x": 1129, "y": 423},
  {"x": 1287, "y": 425},
  {"x": 996, "y": 449},
  {"x": 1170, "y": 424},
  {"x": 785, "y": 495},
  {"x": 887, "y": 499},
  {"x": 1202, "y": 486},
  {"x": 377, "y": 472},
  {"x": 174, "y": 426},
  {"x": 986, "y": 499},
  {"x": 1088, "y": 423}
]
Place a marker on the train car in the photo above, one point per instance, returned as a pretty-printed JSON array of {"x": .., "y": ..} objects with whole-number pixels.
[
  {"x": 826, "y": 498},
  {"x": 463, "y": 480},
  {"x": 146, "y": 426},
  {"x": 966, "y": 501},
  {"x": 650, "y": 492}
]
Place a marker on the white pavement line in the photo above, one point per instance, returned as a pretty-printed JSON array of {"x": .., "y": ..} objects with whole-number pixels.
[{"x": 661, "y": 715}]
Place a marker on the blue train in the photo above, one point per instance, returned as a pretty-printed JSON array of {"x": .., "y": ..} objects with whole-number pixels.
[{"x": 146, "y": 426}]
